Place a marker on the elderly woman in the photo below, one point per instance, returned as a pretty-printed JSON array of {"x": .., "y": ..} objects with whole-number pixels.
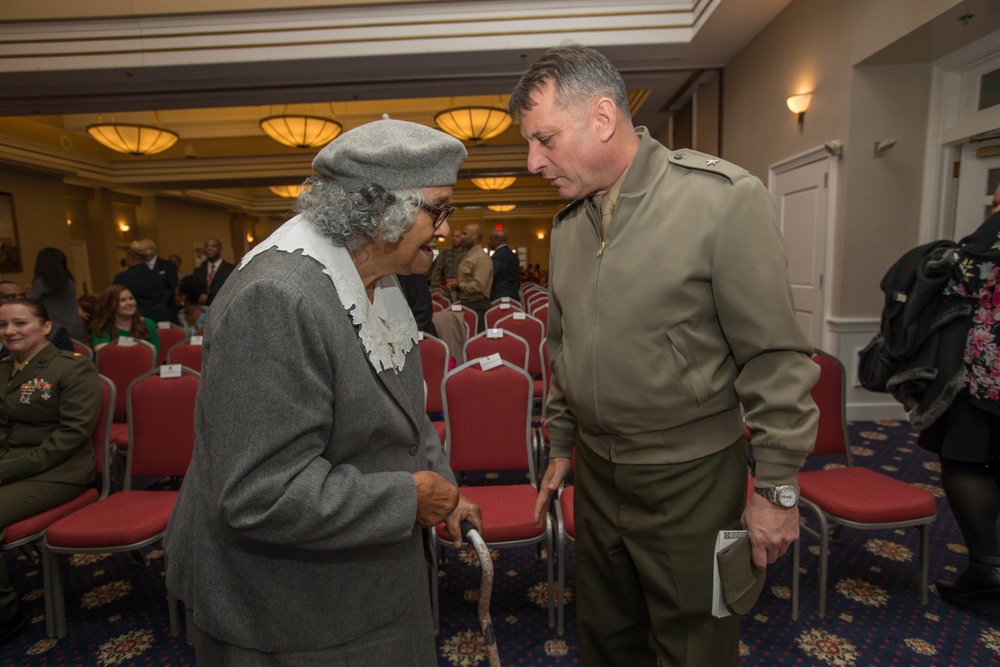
[
  {"x": 297, "y": 536},
  {"x": 50, "y": 403}
]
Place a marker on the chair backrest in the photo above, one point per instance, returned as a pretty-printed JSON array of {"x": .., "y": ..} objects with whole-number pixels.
[
  {"x": 187, "y": 354},
  {"x": 124, "y": 363},
  {"x": 442, "y": 301},
  {"x": 530, "y": 329},
  {"x": 488, "y": 416},
  {"x": 434, "y": 360},
  {"x": 160, "y": 425},
  {"x": 512, "y": 348},
  {"x": 534, "y": 298},
  {"x": 541, "y": 313},
  {"x": 501, "y": 310},
  {"x": 436, "y": 307},
  {"x": 829, "y": 394},
  {"x": 469, "y": 316},
  {"x": 168, "y": 338},
  {"x": 514, "y": 303},
  {"x": 100, "y": 438},
  {"x": 82, "y": 348}
]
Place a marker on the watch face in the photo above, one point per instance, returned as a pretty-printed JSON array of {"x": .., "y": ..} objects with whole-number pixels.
[{"x": 787, "y": 497}]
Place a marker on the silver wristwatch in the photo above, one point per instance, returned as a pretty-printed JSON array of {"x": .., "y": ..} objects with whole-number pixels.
[{"x": 786, "y": 496}]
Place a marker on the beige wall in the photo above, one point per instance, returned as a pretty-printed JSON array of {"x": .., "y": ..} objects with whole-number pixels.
[
  {"x": 40, "y": 215},
  {"x": 814, "y": 46},
  {"x": 183, "y": 226}
]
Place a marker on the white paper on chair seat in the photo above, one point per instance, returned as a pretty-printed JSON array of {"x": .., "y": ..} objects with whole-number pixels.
[
  {"x": 520, "y": 316},
  {"x": 491, "y": 361},
  {"x": 163, "y": 325},
  {"x": 420, "y": 335},
  {"x": 127, "y": 341},
  {"x": 196, "y": 340},
  {"x": 457, "y": 307},
  {"x": 170, "y": 371},
  {"x": 494, "y": 333},
  {"x": 505, "y": 305}
]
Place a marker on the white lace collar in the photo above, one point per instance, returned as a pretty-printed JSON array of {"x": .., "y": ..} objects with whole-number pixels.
[{"x": 388, "y": 329}]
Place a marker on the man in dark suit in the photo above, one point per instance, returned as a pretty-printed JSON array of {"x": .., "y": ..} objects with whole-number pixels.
[
  {"x": 215, "y": 270},
  {"x": 505, "y": 268},
  {"x": 147, "y": 287},
  {"x": 167, "y": 271}
]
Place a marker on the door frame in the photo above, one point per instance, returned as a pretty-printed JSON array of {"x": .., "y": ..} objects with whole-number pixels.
[{"x": 830, "y": 152}]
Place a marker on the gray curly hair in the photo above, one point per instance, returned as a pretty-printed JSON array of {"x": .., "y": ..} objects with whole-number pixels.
[{"x": 354, "y": 220}]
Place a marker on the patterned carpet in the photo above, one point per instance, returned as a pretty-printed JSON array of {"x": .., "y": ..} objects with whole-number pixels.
[{"x": 117, "y": 612}]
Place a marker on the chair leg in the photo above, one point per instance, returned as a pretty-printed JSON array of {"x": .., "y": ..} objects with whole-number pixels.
[
  {"x": 548, "y": 562},
  {"x": 175, "y": 630},
  {"x": 824, "y": 552},
  {"x": 435, "y": 601},
  {"x": 55, "y": 603},
  {"x": 561, "y": 590},
  {"x": 796, "y": 549},
  {"x": 925, "y": 547}
]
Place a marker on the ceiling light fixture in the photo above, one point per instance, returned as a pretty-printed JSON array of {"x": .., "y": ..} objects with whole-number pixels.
[
  {"x": 132, "y": 139},
  {"x": 287, "y": 191},
  {"x": 301, "y": 131},
  {"x": 502, "y": 208},
  {"x": 473, "y": 123},
  {"x": 493, "y": 183}
]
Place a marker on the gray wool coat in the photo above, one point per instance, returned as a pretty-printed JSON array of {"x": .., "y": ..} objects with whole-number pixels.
[{"x": 295, "y": 527}]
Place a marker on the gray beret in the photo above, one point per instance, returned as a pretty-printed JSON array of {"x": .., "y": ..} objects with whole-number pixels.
[{"x": 394, "y": 154}]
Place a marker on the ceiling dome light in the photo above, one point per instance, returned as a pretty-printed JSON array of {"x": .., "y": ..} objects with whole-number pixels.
[
  {"x": 132, "y": 139},
  {"x": 493, "y": 182},
  {"x": 287, "y": 191},
  {"x": 473, "y": 123},
  {"x": 502, "y": 208},
  {"x": 301, "y": 131}
]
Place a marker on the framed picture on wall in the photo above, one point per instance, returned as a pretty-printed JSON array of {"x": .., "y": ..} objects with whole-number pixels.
[{"x": 10, "y": 249}]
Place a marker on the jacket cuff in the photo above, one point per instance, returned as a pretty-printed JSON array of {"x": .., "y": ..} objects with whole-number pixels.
[{"x": 774, "y": 467}]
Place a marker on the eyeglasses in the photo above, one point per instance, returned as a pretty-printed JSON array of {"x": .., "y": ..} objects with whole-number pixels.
[{"x": 438, "y": 213}]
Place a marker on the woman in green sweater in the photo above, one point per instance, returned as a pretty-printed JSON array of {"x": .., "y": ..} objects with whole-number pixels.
[{"x": 117, "y": 315}]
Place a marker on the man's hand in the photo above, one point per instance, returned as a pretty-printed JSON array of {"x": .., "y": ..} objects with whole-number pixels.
[
  {"x": 436, "y": 498},
  {"x": 451, "y": 283},
  {"x": 554, "y": 476},
  {"x": 466, "y": 510},
  {"x": 772, "y": 529}
]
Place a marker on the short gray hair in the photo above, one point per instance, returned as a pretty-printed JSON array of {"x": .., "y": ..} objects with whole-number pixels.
[
  {"x": 579, "y": 75},
  {"x": 354, "y": 220}
]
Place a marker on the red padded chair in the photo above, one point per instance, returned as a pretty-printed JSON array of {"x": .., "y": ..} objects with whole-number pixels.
[
  {"x": 469, "y": 316},
  {"x": 512, "y": 348},
  {"x": 82, "y": 348},
  {"x": 161, "y": 429},
  {"x": 187, "y": 354},
  {"x": 852, "y": 496},
  {"x": 434, "y": 361},
  {"x": 500, "y": 442},
  {"x": 169, "y": 336},
  {"x": 501, "y": 310},
  {"x": 532, "y": 330},
  {"x": 444, "y": 302},
  {"x": 122, "y": 364},
  {"x": 541, "y": 313},
  {"x": 28, "y": 531}
]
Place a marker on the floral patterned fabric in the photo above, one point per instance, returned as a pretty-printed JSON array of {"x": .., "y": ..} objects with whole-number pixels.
[{"x": 977, "y": 272}]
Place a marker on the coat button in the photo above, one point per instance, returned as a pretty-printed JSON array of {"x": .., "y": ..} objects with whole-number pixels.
[{"x": 413, "y": 450}]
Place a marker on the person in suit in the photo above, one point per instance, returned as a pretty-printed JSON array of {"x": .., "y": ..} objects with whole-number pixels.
[
  {"x": 506, "y": 268},
  {"x": 146, "y": 286},
  {"x": 165, "y": 269},
  {"x": 297, "y": 537},
  {"x": 215, "y": 270},
  {"x": 50, "y": 403}
]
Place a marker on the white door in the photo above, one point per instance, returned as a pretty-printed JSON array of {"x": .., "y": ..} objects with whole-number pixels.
[
  {"x": 978, "y": 178},
  {"x": 800, "y": 196}
]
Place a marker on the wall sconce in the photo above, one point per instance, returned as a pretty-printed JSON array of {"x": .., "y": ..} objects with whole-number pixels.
[
  {"x": 123, "y": 227},
  {"x": 799, "y": 104},
  {"x": 541, "y": 236},
  {"x": 69, "y": 221},
  {"x": 249, "y": 237}
]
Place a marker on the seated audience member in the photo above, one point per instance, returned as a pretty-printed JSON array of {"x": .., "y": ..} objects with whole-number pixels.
[
  {"x": 55, "y": 288},
  {"x": 193, "y": 310},
  {"x": 49, "y": 409},
  {"x": 59, "y": 336},
  {"x": 117, "y": 315},
  {"x": 147, "y": 287}
]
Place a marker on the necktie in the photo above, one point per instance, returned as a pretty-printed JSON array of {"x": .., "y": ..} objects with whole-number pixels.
[
  {"x": 211, "y": 272},
  {"x": 607, "y": 209}
]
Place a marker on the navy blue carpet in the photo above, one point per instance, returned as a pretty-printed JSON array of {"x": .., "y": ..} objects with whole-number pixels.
[{"x": 117, "y": 610}]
